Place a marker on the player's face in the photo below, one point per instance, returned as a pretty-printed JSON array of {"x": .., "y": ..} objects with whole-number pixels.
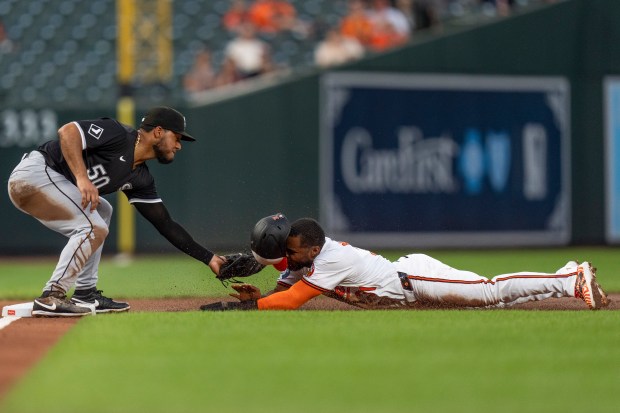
[
  {"x": 167, "y": 145},
  {"x": 299, "y": 256}
]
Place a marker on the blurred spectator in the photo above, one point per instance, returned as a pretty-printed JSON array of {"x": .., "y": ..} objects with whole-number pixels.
[
  {"x": 272, "y": 16},
  {"x": 421, "y": 14},
  {"x": 426, "y": 14},
  {"x": 337, "y": 49},
  {"x": 249, "y": 54},
  {"x": 201, "y": 75},
  {"x": 390, "y": 26},
  {"x": 235, "y": 16},
  {"x": 406, "y": 7},
  {"x": 228, "y": 73},
  {"x": 499, "y": 7},
  {"x": 6, "y": 45},
  {"x": 356, "y": 23}
]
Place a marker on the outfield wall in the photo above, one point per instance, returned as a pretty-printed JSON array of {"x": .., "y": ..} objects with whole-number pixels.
[{"x": 258, "y": 153}]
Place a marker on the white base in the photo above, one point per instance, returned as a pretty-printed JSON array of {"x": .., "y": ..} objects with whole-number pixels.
[{"x": 18, "y": 310}]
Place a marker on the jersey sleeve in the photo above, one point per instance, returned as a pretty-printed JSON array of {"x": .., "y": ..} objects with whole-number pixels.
[
  {"x": 290, "y": 299},
  {"x": 101, "y": 132}
]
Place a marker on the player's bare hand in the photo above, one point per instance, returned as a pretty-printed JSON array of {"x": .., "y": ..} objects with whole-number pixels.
[
  {"x": 216, "y": 262},
  {"x": 246, "y": 292},
  {"x": 90, "y": 193}
]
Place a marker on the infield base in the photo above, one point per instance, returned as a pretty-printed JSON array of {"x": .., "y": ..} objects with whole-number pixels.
[{"x": 18, "y": 310}]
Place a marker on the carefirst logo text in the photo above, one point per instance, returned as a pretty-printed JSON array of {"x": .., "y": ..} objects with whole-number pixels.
[
  {"x": 479, "y": 162},
  {"x": 416, "y": 165}
]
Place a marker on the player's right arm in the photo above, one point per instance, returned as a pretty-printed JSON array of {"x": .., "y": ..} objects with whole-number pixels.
[
  {"x": 289, "y": 299},
  {"x": 157, "y": 214},
  {"x": 72, "y": 145}
]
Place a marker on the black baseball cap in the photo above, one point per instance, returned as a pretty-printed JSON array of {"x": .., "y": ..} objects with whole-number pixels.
[{"x": 167, "y": 118}]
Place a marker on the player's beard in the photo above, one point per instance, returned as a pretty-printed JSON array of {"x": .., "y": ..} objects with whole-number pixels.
[
  {"x": 161, "y": 155},
  {"x": 298, "y": 265}
]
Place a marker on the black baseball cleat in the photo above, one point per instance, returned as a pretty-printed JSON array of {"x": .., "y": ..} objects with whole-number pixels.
[
  {"x": 56, "y": 304},
  {"x": 93, "y": 297}
]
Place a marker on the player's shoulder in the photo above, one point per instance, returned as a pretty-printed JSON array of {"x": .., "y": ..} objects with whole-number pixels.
[
  {"x": 334, "y": 250},
  {"x": 103, "y": 126},
  {"x": 101, "y": 121},
  {"x": 336, "y": 245},
  {"x": 115, "y": 124}
]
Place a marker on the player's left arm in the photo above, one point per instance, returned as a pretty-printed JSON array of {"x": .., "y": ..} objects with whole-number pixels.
[
  {"x": 71, "y": 145},
  {"x": 158, "y": 215}
]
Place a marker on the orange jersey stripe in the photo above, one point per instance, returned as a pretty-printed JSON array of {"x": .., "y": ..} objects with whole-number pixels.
[{"x": 367, "y": 288}]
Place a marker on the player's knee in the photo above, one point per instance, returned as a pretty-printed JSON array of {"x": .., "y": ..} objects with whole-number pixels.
[
  {"x": 105, "y": 210},
  {"x": 99, "y": 234}
]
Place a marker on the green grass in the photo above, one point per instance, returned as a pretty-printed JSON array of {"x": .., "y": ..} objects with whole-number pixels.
[
  {"x": 179, "y": 275},
  {"x": 144, "y": 276},
  {"x": 319, "y": 361},
  {"x": 376, "y": 361}
]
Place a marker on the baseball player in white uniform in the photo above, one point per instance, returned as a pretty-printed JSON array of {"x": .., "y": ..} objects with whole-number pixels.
[
  {"x": 60, "y": 185},
  {"x": 319, "y": 265}
]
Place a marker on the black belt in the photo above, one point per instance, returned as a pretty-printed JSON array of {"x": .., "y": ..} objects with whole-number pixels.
[{"x": 404, "y": 281}]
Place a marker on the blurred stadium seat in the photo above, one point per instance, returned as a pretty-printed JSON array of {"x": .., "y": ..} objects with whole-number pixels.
[{"x": 65, "y": 51}]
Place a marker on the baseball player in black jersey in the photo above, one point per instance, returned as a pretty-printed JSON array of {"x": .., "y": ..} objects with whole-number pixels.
[{"x": 60, "y": 185}]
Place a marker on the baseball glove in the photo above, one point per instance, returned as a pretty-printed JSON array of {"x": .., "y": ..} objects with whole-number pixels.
[{"x": 239, "y": 265}]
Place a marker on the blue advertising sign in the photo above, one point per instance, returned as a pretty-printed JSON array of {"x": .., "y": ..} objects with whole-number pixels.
[
  {"x": 612, "y": 115},
  {"x": 416, "y": 160}
]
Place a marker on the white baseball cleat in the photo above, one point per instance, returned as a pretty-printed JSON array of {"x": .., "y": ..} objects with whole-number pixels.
[{"x": 588, "y": 289}]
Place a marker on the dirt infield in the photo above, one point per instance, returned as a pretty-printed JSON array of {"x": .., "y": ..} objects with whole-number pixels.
[{"x": 27, "y": 340}]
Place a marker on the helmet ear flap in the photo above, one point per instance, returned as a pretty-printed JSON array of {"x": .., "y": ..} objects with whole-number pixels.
[{"x": 268, "y": 239}]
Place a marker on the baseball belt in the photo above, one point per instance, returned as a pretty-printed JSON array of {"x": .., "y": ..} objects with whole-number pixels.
[{"x": 404, "y": 281}]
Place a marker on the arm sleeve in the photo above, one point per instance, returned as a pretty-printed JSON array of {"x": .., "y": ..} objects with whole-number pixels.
[
  {"x": 290, "y": 299},
  {"x": 157, "y": 214}
]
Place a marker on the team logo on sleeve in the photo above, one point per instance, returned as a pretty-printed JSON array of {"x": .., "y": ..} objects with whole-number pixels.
[{"x": 95, "y": 131}]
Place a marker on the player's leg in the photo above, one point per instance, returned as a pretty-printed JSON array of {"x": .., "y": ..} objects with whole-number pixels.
[
  {"x": 32, "y": 190},
  {"x": 88, "y": 277},
  {"x": 86, "y": 231},
  {"x": 572, "y": 280},
  {"x": 86, "y": 292},
  {"x": 55, "y": 202},
  {"x": 438, "y": 283},
  {"x": 521, "y": 287}
]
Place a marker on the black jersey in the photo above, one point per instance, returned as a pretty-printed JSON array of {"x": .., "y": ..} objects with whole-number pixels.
[{"x": 108, "y": 156}]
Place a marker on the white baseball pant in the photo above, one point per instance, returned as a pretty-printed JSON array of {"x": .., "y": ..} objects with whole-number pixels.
[
  {"x": 435, "y": 282},
  {"x": 48, "y": 196}
]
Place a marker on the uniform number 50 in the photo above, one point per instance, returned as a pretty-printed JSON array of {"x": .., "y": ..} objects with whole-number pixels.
[{"x": 98, "y": 176}]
